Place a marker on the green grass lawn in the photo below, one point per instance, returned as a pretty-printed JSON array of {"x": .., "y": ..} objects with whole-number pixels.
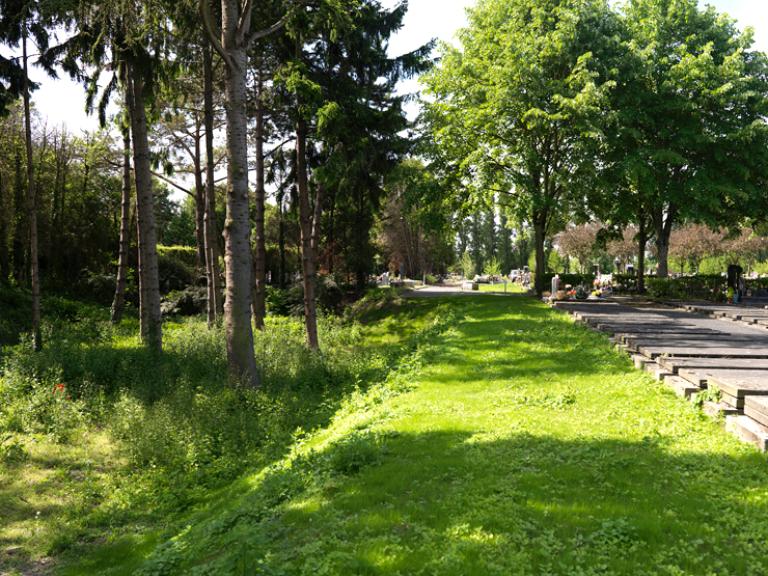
[
  {"x": 508, "y": 288},
  {"x": 510, "y": 441}
]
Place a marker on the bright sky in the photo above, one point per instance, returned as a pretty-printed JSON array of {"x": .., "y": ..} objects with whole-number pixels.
[{"x": 62, "y": 101}]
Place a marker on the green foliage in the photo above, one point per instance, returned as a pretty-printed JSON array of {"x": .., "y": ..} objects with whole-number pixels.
[
  {"x": 492, "y": 268},
  {"x": 11, "y": 450},
  {"x": 285, "y": 301},
  {"x": 466, "y": 265},
  {"x": 190, "y": 301},
  {"x": 175, "y": 273},
  {"x": 530, "y": 83},
  {"x": 705, "y": 287},
  {"x": 626, "y": 283},
  {"x": 15, "y": 317},
  {"x": 187, "y": 255},
  {"x": 571, "y": 279},
  {"x": 176, "y": 429}
]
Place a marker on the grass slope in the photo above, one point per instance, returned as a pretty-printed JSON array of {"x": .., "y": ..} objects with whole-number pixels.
[{"x": 511, "y": 441}]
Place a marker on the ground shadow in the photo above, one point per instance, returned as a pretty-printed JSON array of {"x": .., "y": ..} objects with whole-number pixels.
[{"x": 460, "y": 503}]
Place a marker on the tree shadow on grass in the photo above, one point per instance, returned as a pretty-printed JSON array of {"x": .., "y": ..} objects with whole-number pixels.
[
  {"x": 465, "y": 503},
  {"x": 302, "y": 389}
]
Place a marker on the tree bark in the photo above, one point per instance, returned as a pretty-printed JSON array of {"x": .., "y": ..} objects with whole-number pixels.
[
  {"x": 20, "y": 229},
  {"x": 642, "y": 241},
  {"x": 281, "y": 238},
  {"x": 259, "y": 268},
  {"x": 151, "y": 317},
  {"x": 539, "y": 234},
  {"x": 664, "y": 223},
  {"x": 199, "y": 199},
  {"x": 4, "y": 259},
  {"x": 237, "y": 256},
  {"x": 306, "y": 225},
  {"x": 212, "y": 272},
  {"x": 37, "y": 337},
  {"x": 118, "y": 303}
]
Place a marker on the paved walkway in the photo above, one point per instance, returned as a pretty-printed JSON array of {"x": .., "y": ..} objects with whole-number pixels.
[{"x": 694, "y": 348}]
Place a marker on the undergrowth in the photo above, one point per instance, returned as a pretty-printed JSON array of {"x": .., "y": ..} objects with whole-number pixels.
[{"x": 177, "y": 431}]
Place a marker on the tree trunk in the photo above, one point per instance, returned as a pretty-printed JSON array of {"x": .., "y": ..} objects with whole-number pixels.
[
  {"x": 281, "y": 238},
  {"x": 664, "y": 223},
  {"x": 306, "y": 224},
  {"x": 259, "y": 268},
  {"x": 4, "y": 259},
  {"x": 199, "y": 200},
  {"x": 642, "y": 241},
  {"x": 37, "y": 337},
  {"x": 539, "y": 234},
  {"x": 151, "y": 318},
  {"x": 212, "y": 272},
  {"x": 662, "y": 253},
  {"x": 20, "y": 230},
  {"x": 330, "y": 240},
  {"x": 118, "y": 303},
  {"x": 237, "y": 255}
]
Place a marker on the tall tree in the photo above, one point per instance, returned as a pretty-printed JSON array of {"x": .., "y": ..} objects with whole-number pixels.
[
  {"x": 212, "y": 252},
  {"x": 118, "y": 303},
  {"x": 23, "y": 23},
  {"x": 691, "y": 138},
  {"x": 131, "y": 41},
  {"x": 231, "y": 40},
  {"x": 521, "y": 109}
]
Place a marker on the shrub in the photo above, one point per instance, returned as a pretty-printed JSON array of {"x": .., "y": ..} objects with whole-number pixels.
[
  {"x": 187, "y": 255},
  {"x": 175, "y": 274},
  {"x": 12, "y": 451},
  {"x": 285, "y": 301},
  {"x": 191, "y": 301},
  {"x": 703, "y": 287},
  {"x": 330, "y": 296},
  {"x": 14, "y": 316},
  {"x": 571, "y": 279}
]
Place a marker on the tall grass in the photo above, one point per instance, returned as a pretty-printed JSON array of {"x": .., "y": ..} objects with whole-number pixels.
[{"x": 179, "y": 428}]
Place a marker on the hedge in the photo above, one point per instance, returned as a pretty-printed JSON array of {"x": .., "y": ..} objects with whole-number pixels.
[
  {"x": 699, "y": 287},
  {"x": 571, "y": 279}
]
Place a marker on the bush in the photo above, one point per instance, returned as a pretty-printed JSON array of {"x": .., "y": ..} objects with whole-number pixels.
[
  {"x": 175, "y": 274},
  {"x": 699, "y": 287},
  {"x": 191, "y": 301},
  {"x": 285, "y": 301},
  {"x": 175, "y": 414},
  {"x": 570, "y": 279},
  {"x": 187, "y": 255},
  {"x": 12, "y": 451},
  {"x": 627, "y": 283},
  {"x": 757, "y": 284},
  {"x": 15, "y": 318},
  {"x": 330, "y": 296}
]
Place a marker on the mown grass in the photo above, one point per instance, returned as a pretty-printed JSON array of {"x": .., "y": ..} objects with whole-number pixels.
[
  {"x": 508, "y": 288},
  {"x": 509, "y": 441}
]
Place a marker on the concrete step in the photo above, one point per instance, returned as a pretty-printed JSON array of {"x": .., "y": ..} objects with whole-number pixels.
[
  {"x": 748, "y": 430},
  {"x": 718, "y": 409},
  {"x": 656, "y": 371},
  {"x": 639, "y": 361},
  {"x": 681, "y": 386}
]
